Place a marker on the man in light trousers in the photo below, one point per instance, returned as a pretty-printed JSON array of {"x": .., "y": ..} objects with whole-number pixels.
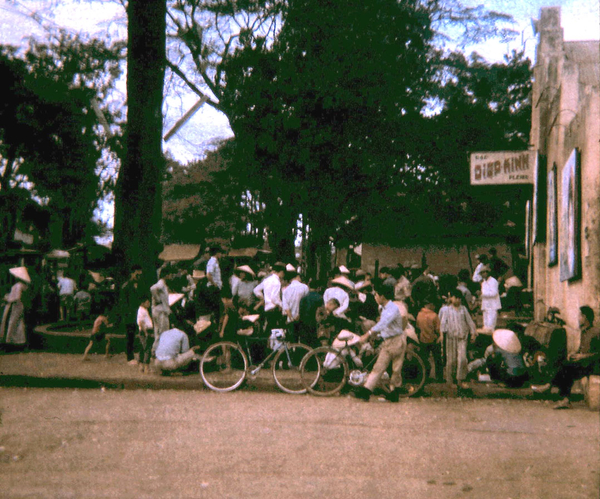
[{"x": 392, "y": 348}]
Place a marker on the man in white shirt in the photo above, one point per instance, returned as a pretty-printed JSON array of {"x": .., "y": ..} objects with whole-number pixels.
[
  {"x": 66, "y": 293},
  {"x": 490, "y": 299},
  {"x": 269, "y": 294},
  {"x": 292, "y": 295}
]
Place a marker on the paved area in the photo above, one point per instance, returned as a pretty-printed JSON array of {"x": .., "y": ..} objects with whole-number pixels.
[{"x": 59, "y": 443}]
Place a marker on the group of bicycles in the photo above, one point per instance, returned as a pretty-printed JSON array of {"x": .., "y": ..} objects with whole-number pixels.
[{"x": 297, "y": 368}]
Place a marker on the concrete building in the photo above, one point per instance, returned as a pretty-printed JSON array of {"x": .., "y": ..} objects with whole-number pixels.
[{"x": 566, "y": 132}]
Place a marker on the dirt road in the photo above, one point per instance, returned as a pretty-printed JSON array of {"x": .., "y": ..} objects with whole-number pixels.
[{"x": 186, "y": 444}]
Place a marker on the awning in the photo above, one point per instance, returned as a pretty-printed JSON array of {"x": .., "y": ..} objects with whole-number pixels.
[{"x": 180, "y": 252}]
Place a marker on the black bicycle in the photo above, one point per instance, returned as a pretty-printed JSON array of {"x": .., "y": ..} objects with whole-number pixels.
[{"x": 226, "y": 365}]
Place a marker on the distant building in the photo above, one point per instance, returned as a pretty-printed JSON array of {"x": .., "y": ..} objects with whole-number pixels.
[{"x": 566, "y": 132}]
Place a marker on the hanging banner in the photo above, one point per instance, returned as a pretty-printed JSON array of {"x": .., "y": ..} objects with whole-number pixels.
[{"x": 503, "y": 167}]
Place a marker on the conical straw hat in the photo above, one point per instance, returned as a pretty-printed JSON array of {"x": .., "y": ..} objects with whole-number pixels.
[
  {"x": 21, "y": 273},
  {"x": 507, "y": 340},
  {"x": 343, "y": 281},
  {"x": 247, "y": 269}
]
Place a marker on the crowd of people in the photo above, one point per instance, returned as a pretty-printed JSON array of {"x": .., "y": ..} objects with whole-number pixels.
[{"x": 169, "y": 322}]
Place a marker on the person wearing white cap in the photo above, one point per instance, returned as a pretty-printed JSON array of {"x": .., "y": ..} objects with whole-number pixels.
[
  {"x": 12, "y": 328},
  {"x": 490, "y": 299}
]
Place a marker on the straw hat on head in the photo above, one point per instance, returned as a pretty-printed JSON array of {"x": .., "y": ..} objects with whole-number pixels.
[
  {"x": 247, "y": 269},
  {"x": 198, "y": 274},
  {"x": 21, "y": 274},
  {"x": 278, "y": 266},
  {"x": 362, "y": 285},
  {"x": 343, "y": 281},
  {"x": 174, "y": 298},
  {"x": 507, "y": 340}
]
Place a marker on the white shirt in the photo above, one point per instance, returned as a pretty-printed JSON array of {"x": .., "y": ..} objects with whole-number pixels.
[
  {"x": 270, "y": 291},
  {"x": 143, "y": 319},
  {"x": 66, "y": 286},
  {"x": 477, "y": 274},
  {"x": 291, "y": 298},
  {"x": 490, "y": 297},
  {"x": 341, "y": 296}
]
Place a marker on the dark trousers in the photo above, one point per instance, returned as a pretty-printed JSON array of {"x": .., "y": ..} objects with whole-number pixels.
[
  {"x": 435, "y": 349},
  {"x": 571, "y": 371},
  {"x": 273, "y": 320},
  {"x": 499, "y": 373},
  {"x": 130, "y": 333},
  {"x": 146, "y": 343}
]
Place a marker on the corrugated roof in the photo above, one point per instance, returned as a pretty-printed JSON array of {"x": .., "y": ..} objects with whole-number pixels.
[
  {"x": 586, "y": 55},
  {"x": 179, "y": 252}
]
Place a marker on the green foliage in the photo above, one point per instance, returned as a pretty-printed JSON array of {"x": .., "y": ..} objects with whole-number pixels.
[
  {"x": 48, "y": 129},
  {"x": 201, "y": 201}
]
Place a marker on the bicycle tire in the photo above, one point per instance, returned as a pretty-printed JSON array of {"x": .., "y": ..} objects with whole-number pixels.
[
  {"x": 414, "y": 374},
  {"x": 211, "y": 366},
  {"x": 286, "y": 368},
  {"x": 318, "y": 378}
]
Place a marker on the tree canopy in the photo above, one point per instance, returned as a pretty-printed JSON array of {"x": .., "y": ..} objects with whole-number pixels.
[{"x": 50, "y": 143}]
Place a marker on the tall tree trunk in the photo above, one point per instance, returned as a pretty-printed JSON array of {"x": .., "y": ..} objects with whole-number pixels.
[{"x": 138, "y": 203}]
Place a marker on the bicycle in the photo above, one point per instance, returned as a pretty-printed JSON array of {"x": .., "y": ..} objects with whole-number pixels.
[
  {"x": 326, "y": 370},
  {"x": 226, "y": 365}
]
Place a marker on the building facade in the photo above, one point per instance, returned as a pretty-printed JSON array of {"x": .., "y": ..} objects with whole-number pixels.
[{"x": 566, "y": 133}]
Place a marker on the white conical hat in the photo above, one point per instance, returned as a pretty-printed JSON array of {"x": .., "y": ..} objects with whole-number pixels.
[
  {"x": 21, "y": 273},
  {"x": 343, "y": 281},
  {"x": 290, "y": 268},
  {"x": 247, "y": 269},
  {"x": 344, "y": 269},
  {"x": 174, "y": 298},
  {"x": 507, "y": 340}
]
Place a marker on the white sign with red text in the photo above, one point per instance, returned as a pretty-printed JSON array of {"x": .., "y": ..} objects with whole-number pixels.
[{"x": 503, "y": 167}]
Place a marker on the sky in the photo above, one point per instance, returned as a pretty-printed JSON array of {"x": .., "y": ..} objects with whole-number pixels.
[{"x": 580, "y": 20}]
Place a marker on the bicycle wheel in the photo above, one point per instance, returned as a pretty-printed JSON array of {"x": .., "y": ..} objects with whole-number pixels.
[
  {"x": 286, "y": 367},
  {"x": 324, "y": 371},
  {"x": 413, "y": 374},
  {"x": 223, "y": 366}
]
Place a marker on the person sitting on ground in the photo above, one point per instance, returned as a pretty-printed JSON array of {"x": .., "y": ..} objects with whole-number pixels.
[
  {"x": 145, "y": 334},
  {"x": 456, "y": 325},
  {"x": 578, "y": 365},
  {"x": 173, "y": 352},
  {"x": 392, "y": 349},
  {"x": 503, "y": 359},
  {"x": 101, "y": 324}
]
